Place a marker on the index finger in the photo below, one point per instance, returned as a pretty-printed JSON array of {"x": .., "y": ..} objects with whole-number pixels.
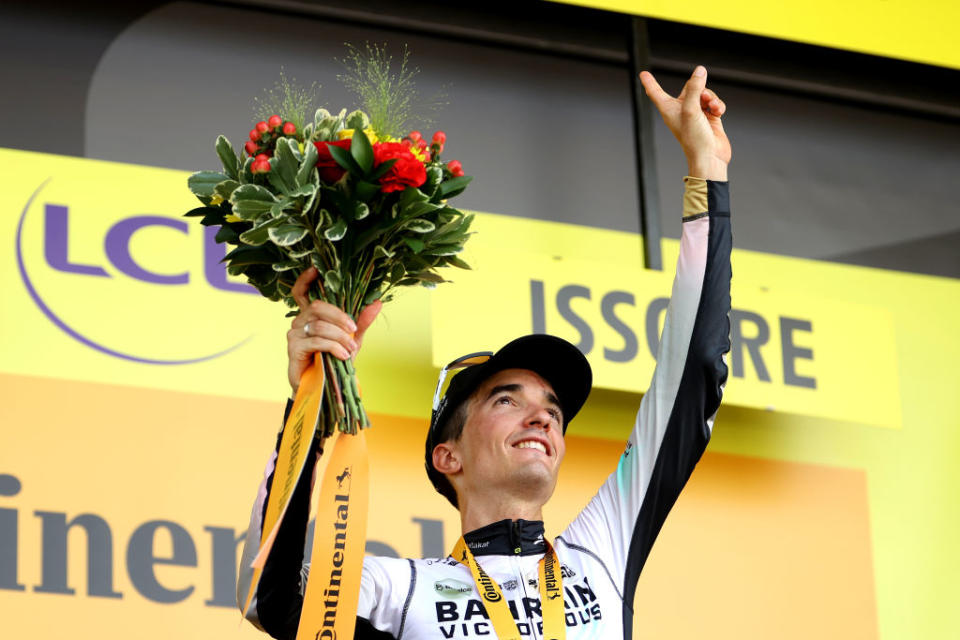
[
  {"x": 302, "y": 285},
  {"x": 654, "y": 91}
]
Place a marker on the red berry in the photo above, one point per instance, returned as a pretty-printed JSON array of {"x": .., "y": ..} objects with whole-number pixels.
[
  {"x": 262, "y": 127},
  {"x": 421, "y": 144},
  {"x": 260, "y": 166},
  {"x": 274, "y": 121},
  {"x": 254, "y": 135},
  {"x": 440, "y": 138},
  {"x": 251, "y": 147},
  {"x": 426, "y": 156},
  {"x": 262, "y": 158},
  {"x": 415, "y": 136},
  {"x": 455, "y": 168},
  {"x": 289, "y": 128}
]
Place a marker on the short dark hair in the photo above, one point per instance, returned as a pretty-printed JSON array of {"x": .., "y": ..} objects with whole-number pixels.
[{"x": 452, "y": 429}]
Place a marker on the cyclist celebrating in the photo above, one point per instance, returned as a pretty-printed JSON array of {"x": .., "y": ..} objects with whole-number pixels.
[{"x": 495, "y": 446}]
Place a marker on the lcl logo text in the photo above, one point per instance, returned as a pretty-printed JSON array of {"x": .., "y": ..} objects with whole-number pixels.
[{"x": 116, "y": 244}]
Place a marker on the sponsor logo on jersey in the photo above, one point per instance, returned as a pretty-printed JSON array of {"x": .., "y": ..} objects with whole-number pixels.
[{"x": 452, "y": 588}]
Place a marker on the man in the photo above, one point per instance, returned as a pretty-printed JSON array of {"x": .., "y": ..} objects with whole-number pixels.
[{"x": 495, "y": 446}]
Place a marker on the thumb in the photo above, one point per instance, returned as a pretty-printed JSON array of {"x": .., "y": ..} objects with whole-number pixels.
[
  {"x": 690, "y": 96},
  {"x": 366, "y": 318}
]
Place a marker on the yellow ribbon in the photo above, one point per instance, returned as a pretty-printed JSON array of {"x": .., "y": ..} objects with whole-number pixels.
[
  {"x": 551, "y": 595},
  {"x": 336, "y": 559}
]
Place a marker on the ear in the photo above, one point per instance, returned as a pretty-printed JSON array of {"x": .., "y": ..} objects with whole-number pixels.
[{"x": 446, "y": 458}]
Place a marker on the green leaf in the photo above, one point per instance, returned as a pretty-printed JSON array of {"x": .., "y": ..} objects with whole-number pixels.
[
  {"x": 396, "y": 273},
  {"x": 285, "y": 265},
  {"x": 299, "y": 253},
  {"x": 419, "y": 225},
  {"x": 250, "y": 209},
  {"x": 332, "y": 281},
  {"x": 308, "y": 164},
  {"x": 252, "y": 192},
  {"x": 372, "y": 296},
  {"x": 380, "y": 251},
  {"x": 454, "y": 184},
  {"x": 430, "y": 276},
  {"x": 231, "y": 165},
  {"x": 336, "y": 231},
  {"x": 410, "y": 195},
  {"x": 214, "y": 216},
  {"x": 226, "y": 188},
  {"x": 345, "y": 159},
  {"x": 357, "y": 120},
  {"x": 417, "y": 209},
  {"x": 202, "y": 184},
  {"x": 226, "y": 234},
  {"x": 361, "y": 150},
  {"x": 199, "y": 211},
  {"x": 260, "y": 233},
  {"x": 285, "y": 235},
  {"x": 458, "y": 262},
  {"x": 361, "y": 211},
  {"x": 285, "y": 164},
  {"x": 365, "y": 190},
  {"x": 246, "y": 175},
  {"x": 245, "y": 255},
  {"x": 381, "y": 169},
  {"x": 415, "y": 245},
  {"x": 444, "y": 250}
]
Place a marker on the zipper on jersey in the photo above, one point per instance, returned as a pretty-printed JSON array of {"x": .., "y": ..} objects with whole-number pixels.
[
  {"x": 517, "y": 561},
  {"x": 515, "y": 537}
]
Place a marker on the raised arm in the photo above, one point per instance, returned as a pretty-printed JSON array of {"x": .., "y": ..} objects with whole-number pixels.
[
  {"x": 319, "y": 327},
  {"x": 675, "y": 419}
]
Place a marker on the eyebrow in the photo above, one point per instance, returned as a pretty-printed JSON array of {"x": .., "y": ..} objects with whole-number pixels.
[{"x": 513, "y": 388}]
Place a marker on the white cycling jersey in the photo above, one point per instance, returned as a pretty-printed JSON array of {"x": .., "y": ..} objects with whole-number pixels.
[{"x": 603, "y": 550}]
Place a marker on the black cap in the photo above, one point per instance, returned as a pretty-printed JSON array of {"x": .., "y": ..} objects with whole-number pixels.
[{"x": 554, "y": 359}]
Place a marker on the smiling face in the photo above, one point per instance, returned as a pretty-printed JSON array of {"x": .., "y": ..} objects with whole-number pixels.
[{"x": 512, "y": 442}]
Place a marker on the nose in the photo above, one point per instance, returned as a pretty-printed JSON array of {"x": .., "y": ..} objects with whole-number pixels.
[{"x": 541, "y": 418}]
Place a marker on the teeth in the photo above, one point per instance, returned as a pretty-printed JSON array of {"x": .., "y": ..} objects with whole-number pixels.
[{"x": 532, "y": 444}]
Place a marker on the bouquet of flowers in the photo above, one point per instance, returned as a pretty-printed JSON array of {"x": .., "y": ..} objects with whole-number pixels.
[{"x": 344, "y": 194}]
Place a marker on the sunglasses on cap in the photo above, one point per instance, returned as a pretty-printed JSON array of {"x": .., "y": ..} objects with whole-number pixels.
[{"x": 462, "y": 362}]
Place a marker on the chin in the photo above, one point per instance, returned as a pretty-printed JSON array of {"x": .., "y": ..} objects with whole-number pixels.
[{"x": 536, "y": 481}]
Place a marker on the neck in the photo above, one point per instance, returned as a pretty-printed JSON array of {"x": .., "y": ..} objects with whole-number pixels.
[{"x": 479, "y": 513}]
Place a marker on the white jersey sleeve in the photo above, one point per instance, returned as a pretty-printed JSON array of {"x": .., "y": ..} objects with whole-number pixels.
[{"x": 674, "y": 422}]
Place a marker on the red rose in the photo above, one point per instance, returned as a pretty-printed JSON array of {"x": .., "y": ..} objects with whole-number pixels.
[
  {"x": 328, "y": 168},
  {"x": 407, "y": 171}
]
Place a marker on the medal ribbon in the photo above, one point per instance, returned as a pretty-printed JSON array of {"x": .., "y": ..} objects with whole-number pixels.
[
  {"x": 551, "y": 595},
  {"x": 333, "y": 585}
]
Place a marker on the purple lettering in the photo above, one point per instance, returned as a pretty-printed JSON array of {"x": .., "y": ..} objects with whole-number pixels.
[
  {"x": 117, "y": 245},
  {"x": 56, "y": 225}
]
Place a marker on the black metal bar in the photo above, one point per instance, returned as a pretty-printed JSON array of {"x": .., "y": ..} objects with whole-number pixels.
[{"x": 643, "y": 144}]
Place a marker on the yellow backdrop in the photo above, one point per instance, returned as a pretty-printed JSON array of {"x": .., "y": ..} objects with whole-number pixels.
[{"x": 125, "y": 478}]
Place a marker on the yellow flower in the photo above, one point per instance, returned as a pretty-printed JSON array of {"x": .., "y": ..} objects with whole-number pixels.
[
  {"x": 372, "y": 136},
  {"x": 232, "y": 218},
  {"x": 216, "y": 199},
  {"x": 348, "y": 133}
]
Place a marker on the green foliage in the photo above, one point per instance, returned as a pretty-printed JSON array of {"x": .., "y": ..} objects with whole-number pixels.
[
  {"x": 386, "y": 89},
  {"x": 287, "y": 99}
]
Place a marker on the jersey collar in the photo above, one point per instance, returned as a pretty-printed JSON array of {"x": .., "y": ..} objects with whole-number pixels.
[{"x": 507, "y": 538}]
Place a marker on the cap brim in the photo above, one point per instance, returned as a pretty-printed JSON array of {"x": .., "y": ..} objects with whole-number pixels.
[{"x": 554, "y": 359}]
